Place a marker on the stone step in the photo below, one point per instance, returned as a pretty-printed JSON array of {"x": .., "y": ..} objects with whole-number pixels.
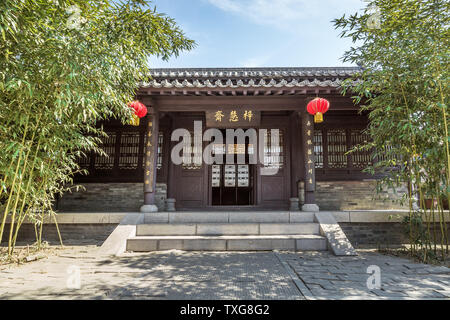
[
  {"x": 229, "y": 217},
  {"x": 228, "y": 243},
  {"x": 209, "y": 229}
]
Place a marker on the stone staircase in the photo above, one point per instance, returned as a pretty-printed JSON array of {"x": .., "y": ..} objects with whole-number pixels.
[{"x": 228, "y": 231}]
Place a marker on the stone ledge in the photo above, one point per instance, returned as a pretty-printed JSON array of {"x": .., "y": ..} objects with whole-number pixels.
[
  {"x": 375, "y": 216},
  {"x": 84, "y": 218},
  {"x": 356, "y": 216},
  {"x": 331, "y": 230}
]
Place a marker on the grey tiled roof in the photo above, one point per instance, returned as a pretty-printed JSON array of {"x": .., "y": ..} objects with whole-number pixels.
[
  {"x": 252, "y": 72},
  {"x": 248, "y": 77}
]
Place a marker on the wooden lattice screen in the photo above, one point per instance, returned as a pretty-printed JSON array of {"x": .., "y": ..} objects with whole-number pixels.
[
  {"x": 273, "y": 153},
  {"x": 109, "y": 147},
  {"x": 129, "y": 150},
  {"x": 336, "y": 148},
  {"x": 123, "y": 160},
  {"x": 360, "y": 158},
  {"x": 159, "y": 162},
  {"x": 318, "y": 149},
  {"x": 331, "y": 146}
]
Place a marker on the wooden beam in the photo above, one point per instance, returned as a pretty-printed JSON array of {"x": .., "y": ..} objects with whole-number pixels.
[{"x": 268, "y": 92}]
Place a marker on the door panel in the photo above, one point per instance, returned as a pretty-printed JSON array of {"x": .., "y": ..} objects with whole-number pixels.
[
  {"x": 189, "y": 181},
  {"x": 274, "y": 190}
]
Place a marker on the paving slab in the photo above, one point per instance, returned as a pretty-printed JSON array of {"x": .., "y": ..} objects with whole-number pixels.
[{"x": 195, "y": 275}]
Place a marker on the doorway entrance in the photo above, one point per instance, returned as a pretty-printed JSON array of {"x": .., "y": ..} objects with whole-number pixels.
[{"x": 233, "y": 184}]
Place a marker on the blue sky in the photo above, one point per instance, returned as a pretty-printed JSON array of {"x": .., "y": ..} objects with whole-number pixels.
[{"x": 259, "y": 33}]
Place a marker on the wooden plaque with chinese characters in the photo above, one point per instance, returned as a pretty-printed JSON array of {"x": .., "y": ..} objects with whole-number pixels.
[{"x": 238, "y": 117}]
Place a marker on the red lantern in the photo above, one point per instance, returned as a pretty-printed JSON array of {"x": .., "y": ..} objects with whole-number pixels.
[
  {"x": 140, "y": 110},
  {"x": 317, "y": 107}
]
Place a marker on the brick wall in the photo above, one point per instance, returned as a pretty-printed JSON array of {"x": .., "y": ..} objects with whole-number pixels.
[
  {"x": 330, "y": 195},
  {"x": 354, "y": 195},
  {"x": 381, "y": 234},
  {"x": 71, "y": 234},
  {"x": 360, "y": 234},
  {"x": 113, "y": 197}
]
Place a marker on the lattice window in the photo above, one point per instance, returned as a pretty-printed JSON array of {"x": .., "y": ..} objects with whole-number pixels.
[
  {"x": 388, "y": 155},
  {"x": 273, "y": 151},
  {"x": 318, "y": 149},
  {"x": 360, "y": 158},
  {"x": 337, "y": 147},
  {"x": 129, "y": 150},
  {"x": 159, "y": 162},
  {"x": 85, "y": 161},
  {"x": 109, "y": 147},
  {"x": 193, "y": 152}
]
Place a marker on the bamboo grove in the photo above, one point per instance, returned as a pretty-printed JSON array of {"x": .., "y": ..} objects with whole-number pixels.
[
  {"x": 403, "y": 49},
  {"x": 64, "y": 65}
]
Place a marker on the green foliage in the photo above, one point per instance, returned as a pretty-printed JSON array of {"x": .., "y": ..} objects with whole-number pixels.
[
  {"x": 404, "y": 85},
  {"x": 65, "y": 65}
]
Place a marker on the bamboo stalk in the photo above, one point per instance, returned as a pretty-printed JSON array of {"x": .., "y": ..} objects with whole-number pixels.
[
  {"x": 11, "y": 229},
  {"x": 57, "y": 229},
  {"x": 434, "y": 229},
  {"x": 424, "y": 209},
  {"x": 14, "y": 180},
  {"x": 21, "y": 216},
  {"x": 447, "y": 148},
  {"x": 442, "y": 228}
]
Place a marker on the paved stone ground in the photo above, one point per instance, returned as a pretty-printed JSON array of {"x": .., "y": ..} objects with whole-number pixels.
[{"x": 221, "y": 275}]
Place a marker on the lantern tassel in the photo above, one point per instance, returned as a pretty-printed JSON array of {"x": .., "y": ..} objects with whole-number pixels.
[
  {"x": 135, "y": 120},
  {"x": 318, "y": 117}
]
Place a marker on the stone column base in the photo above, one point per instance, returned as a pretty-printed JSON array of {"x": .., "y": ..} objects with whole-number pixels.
[
  {"x": 294, "y": 204},
  {"x": 310, "y": 207},
  {"x": 149, "y": 208},
  {"x": 170, "y": 204}
]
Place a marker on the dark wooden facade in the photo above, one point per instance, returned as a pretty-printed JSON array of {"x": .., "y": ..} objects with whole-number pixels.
[{"x": 282, "y": 108}]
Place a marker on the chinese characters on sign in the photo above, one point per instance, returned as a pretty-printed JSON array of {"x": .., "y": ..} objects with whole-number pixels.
[
  {"x": 248, "y": 115},
  {"x": 148, "y": 185},
  {"x": 309, "y": 157},
  {"x": 233, "y": 117},
  {"x": 219, "y": 115}
]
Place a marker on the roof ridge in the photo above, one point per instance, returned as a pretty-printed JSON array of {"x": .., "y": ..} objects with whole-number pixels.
[{"x": 257, "y": 69}]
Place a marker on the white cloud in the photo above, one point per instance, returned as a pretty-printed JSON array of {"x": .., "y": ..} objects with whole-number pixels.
[
  {"x": 286, "y": 14},
  {"x": 255, "y": 62}
]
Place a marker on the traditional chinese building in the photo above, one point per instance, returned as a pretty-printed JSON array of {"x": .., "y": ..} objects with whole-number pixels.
[{"x": 313, "y": 169}]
